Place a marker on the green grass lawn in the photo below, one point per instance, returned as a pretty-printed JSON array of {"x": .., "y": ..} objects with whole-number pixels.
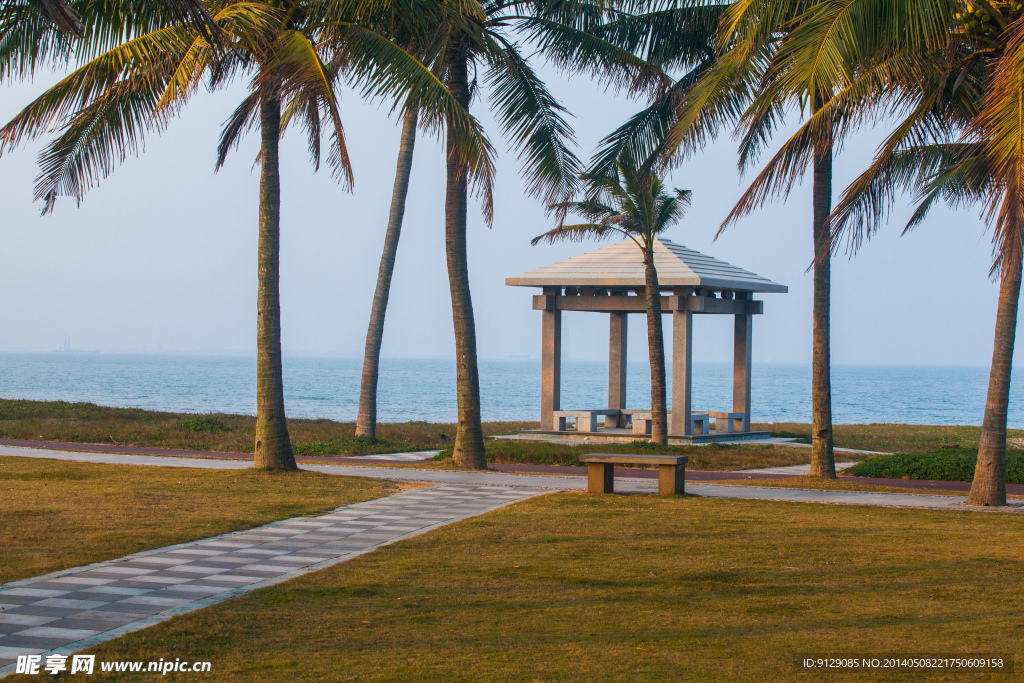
[
  {"x": 90, "y": 423},
  {"x": 582, "y": 587},
  {"x": 890, "y": 438},
  {"x": 56, "y": 514}
]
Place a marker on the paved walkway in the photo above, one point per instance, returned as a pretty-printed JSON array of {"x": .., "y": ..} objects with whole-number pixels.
[
  {"x": 539, "y": 481},
  {"x": 418, "y": 456},
  {"x": 793, "y": 470},
  {"x": 71, "y": 610}
]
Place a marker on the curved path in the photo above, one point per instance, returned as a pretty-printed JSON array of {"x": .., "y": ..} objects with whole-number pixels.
[
  {"x": 68, "y": 611},
  {"x": 558, "y": 482}
]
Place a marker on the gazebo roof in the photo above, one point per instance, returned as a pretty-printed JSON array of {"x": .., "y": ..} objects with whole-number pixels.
[{"x": 621, "y": 265}]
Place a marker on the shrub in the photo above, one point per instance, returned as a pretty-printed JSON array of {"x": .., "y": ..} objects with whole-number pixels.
[
  {"x": 445, "y": 454},
  {"x": 947, "y": 464}
]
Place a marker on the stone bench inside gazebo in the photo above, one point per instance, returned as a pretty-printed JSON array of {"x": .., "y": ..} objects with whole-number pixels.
[{"x": 611, "y": 280}]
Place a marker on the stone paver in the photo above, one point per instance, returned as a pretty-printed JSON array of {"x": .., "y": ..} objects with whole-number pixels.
[
  {"x": 74, "y": 609},
  {"x": 793, "y": 469},
  {"x": 418, "y": 456}
]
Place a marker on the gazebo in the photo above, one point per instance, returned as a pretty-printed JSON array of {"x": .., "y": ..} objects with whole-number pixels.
[{"x": 611, "y": 280}]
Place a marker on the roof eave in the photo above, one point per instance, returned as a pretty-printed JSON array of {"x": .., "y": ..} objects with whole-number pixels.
[{"x": 765, "y": 288}]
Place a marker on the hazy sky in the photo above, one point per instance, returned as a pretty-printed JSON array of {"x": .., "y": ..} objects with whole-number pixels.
[{"x": 163, "y": 253}]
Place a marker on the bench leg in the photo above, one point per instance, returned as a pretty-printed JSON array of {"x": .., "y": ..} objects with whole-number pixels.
[
  {"x": 671, "y": 479},
  {"x": 615, "y": 421},
  {"x": 600, "y": 477},
  {"x": 561, "y": 424},
  {"x": 586, "y": 424},
  {"x": 642, "y": 427}
]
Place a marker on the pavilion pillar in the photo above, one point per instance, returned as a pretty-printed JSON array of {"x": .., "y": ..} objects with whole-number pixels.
[
  {"x": 550, "y": 369},
  {"x": 741, "y": 365},
  {"x": 682, "y": 372},
  {"x": 616, "y": 369}
]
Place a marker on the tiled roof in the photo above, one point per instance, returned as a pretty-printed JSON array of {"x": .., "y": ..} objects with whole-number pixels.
[{"x": 621, "y": 265}]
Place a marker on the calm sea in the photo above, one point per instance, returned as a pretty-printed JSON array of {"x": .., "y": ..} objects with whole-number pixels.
[{"x": 425, "y": 389}]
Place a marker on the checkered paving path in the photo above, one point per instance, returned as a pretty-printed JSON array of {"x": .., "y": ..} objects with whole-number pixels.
[
  {"x": 418, "y": 456},
  {"x": 73, "y": 609}
]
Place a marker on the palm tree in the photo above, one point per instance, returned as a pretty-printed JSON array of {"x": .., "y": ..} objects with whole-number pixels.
[
  {"x": 751, "y": 83},
  {"x": 532, "y": 118},
  {"x": 366, "y": 418},
  {"x": 295, "y": 52},
  {"x": 957, "y": 76},
  {"x": 534, "y": 122},
  {"x": 633, "y": 203}
]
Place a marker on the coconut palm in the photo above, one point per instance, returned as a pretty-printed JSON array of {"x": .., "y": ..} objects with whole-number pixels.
[
  {"x": 535, "y": 125},
  {"x": 751, "y": 84},
  {"x": 954, "y": 73},
  {"x": 410, "y": 35},
  {"x": 294, "y": 51},
  {"x": 534, "y": 121},
  {"x": 366, "y": 417},
  {"x": 634, "y": 203}
]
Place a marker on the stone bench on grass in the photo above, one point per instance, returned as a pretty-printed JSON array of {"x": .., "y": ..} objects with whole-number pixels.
[
  {"x": 601, "y": 471},
  {"x": 586, "y": 420}
]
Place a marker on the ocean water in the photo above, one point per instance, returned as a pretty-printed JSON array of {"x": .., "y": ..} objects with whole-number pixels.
[{"x": 424, "y": 389}]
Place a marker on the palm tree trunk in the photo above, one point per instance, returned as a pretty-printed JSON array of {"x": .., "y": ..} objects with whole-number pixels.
[
  {"x": 823, "y": 461},
  {"x": 469, "y": 439},
  {"x": 273, "y": 447},
  {"x": 656, "y": 351},
  {"x": 366, "y": 419},
  {"x": 989, "y": 486}
]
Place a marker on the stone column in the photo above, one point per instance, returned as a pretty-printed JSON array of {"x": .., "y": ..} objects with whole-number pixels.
[
  {"x": 741, "y": 370},
  {"x": 682, "y": 372},
  {"x": 550, "y": 368},
  {"x": 616, "y": 369}
]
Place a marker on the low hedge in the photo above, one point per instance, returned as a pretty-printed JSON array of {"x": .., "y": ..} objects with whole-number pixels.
[{"x": 948, "y": 464}]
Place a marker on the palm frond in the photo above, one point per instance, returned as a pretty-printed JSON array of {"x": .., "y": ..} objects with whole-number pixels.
[
  {"x": 62, "y": 15},
  {"x": 578, "y": 233},
  {"x": 296, "y": 71},
  {"x": 95, "y": 140},
  {"x": 148, "y": 58},
  {"x": 533, "y": 120},
  {"x": 383, "y": 70},
  {"x": 243, "y": 119}
]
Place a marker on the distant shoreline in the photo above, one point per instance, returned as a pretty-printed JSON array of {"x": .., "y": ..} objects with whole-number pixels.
[{"x": 424, "y": 389}]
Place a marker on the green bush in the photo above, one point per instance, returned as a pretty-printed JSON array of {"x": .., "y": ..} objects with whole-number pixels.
[
  {"x": 948, "y": 464},
  {"x": 445, "y": 454}
]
